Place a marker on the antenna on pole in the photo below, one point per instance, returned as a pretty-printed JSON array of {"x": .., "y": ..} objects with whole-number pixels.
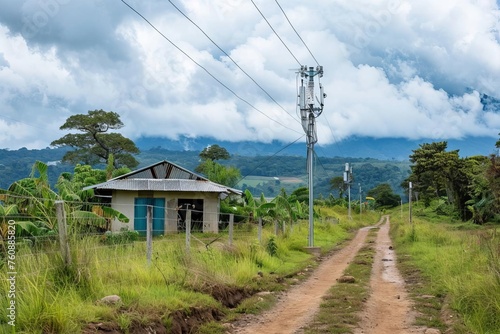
[{"x": 308, "y": 114}]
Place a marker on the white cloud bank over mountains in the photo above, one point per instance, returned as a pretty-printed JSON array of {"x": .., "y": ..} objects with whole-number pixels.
[{"x": 395, "y": 68}]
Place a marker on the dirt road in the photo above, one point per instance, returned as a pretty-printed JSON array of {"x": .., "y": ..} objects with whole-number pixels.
[{"x": 388, "y": 310}]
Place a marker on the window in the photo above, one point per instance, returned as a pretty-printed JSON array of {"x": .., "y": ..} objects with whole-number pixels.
[{"x": 196, "y": 206}]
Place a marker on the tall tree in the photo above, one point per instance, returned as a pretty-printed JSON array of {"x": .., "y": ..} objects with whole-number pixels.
[
  {"x": 431, "y": 170},
  {"x": 384, "y": 196},
  {"x": 218, "y": 173},
  {"x": 214, "y": 152},
  {"x": 94, "y": 144},
  {"x": 337, "y": 183}
]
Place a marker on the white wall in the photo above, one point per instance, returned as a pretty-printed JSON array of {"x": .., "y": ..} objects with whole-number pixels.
[{"x": 123, "y": 201}]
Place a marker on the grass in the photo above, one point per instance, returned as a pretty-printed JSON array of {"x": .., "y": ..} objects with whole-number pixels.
[
  {"x": 339, "y": 311},
  {"x": 175, "y": 281},
  {"x": 453, "y": 271}
]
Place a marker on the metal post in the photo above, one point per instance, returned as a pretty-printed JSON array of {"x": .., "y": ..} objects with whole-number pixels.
[
  {"x": 63, "y": 233},
  {"x": 149, "y": 233},
  {"x": 231, "y": 228},
  {"x": 349, "y": 197},
  {"x": 409, "y": 203},
  {"x": 308, "y": 114},
  {"x": 360, "y": 203},
  {"x": 188, "y": 230},
  {"x": 310, "y": 152}
]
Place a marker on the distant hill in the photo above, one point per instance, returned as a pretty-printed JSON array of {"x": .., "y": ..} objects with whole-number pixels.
[
  {"x": 267, "y": 167},
  {"x": 355, "y": 147}
]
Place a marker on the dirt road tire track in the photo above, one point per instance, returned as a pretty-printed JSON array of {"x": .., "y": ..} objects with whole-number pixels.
[
  {"x": 388, "y": 310},
  {"x": 300, "y": 304}
]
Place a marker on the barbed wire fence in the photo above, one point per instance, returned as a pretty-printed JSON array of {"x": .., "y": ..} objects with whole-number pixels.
[{"x": 39, "y": 255}]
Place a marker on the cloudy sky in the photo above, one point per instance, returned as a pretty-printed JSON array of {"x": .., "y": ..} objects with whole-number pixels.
[{"x": 392, "y": 68}]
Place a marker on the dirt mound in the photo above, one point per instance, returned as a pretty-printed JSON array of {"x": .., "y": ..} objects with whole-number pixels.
[
  {"x": 184, "y": 322},
  {"x": 178, "y": 322},
  {"x": 228, "y": 296}
]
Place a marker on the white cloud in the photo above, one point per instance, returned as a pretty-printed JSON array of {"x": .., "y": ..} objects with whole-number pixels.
[{"x": 395, "y": 68}]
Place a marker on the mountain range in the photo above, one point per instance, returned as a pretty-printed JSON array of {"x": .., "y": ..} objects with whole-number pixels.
[{"x": 355, "y": 147}]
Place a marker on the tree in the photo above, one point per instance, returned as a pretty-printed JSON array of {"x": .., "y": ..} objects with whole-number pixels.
[
  {"x": 218, "y": 173},
  {"x": 433, "y": 171},
  {"x": 94, "y": 145},
  {"x": 213, "y": 170},
  {"x": 337, "y": 184},
  {"x": 384, "y": 196},
  {"x": 214, "y": 152},
  {"x": 437, "y": 173}
]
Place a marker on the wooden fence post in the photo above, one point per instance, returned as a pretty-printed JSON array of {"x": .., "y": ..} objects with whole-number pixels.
[
  {"x": 188, "y": 231},
  {"x": 63, "y": 232},
  {"x": 149, "y": 233},
  {"x": 231, "y": 228}
]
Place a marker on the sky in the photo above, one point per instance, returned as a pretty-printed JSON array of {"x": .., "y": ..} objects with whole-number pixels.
[{"x": 392, "y": 68}]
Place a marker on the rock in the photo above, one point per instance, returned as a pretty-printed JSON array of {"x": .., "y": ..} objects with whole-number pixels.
[
  {"x": 427, "y": 296},
  {"x": 111, "y": 300},
  {"x": 263, "y": 293},
  {"x": 346, "y": 279},
  {"x": 432, "y": 331}
]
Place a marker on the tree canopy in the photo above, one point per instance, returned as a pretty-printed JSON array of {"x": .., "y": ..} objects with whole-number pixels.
[
  {"x": 214, "y": 152},
  {"x": 95, "y": 145},
  {"x": 468, "y": 185},
  {"x": 384, "y": 196}
]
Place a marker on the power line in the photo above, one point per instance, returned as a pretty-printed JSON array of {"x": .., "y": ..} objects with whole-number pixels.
[
  {"x": 270, "y": 26},
  {"x": 234, "y": 62},
  {"x": 267, "y": 160},
  {"x": 204, "y": 68},
  {"x": 291, "y": 25}
]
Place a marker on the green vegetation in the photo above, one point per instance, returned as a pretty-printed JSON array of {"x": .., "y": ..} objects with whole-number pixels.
[
  {"x": 210, "y": 277},
  {"x": 451, "y": 269},
  {"x": 260, "y": 174},
  {"x": 469, "y": 185}
]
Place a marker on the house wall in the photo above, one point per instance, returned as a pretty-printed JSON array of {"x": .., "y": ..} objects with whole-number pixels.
[{"x": 123, "y": 201}]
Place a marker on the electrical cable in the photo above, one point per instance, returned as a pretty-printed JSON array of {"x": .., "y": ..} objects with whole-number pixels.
[
  {"x": 267, "y": 160},
  {"x": 270, "y": 26},
  {"x": 230, "y": 58},
  {"x": 204, "y": 68},
  {"x": 291, "y": 25}
]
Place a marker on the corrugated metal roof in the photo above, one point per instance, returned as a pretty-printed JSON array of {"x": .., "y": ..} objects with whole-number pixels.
[
  {"x": 163, "y": 176},
  {"x": 162, "y": 170},
  {"x": 165, "y": 185}
]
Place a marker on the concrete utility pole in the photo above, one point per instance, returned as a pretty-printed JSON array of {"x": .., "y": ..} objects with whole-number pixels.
[{"x": 308, "y": 114}]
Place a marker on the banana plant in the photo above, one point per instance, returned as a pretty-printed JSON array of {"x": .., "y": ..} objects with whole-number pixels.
[
  {"x": 259, "y": 208},
  {"x": 34, "y": 201}
]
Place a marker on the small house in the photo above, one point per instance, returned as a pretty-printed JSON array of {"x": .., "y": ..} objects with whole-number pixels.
[{"x": 171, "y": 190}]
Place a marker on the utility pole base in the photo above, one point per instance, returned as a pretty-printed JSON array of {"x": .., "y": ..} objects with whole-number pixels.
[{"x": 316, "y": 251}]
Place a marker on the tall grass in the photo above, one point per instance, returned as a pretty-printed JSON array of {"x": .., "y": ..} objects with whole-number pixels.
[
  {"x": 53, "y": 298},
  {"x": 462, "y": 264}
]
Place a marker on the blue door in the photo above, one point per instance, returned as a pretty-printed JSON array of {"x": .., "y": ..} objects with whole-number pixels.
[{"x": 140, "y": 215}]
